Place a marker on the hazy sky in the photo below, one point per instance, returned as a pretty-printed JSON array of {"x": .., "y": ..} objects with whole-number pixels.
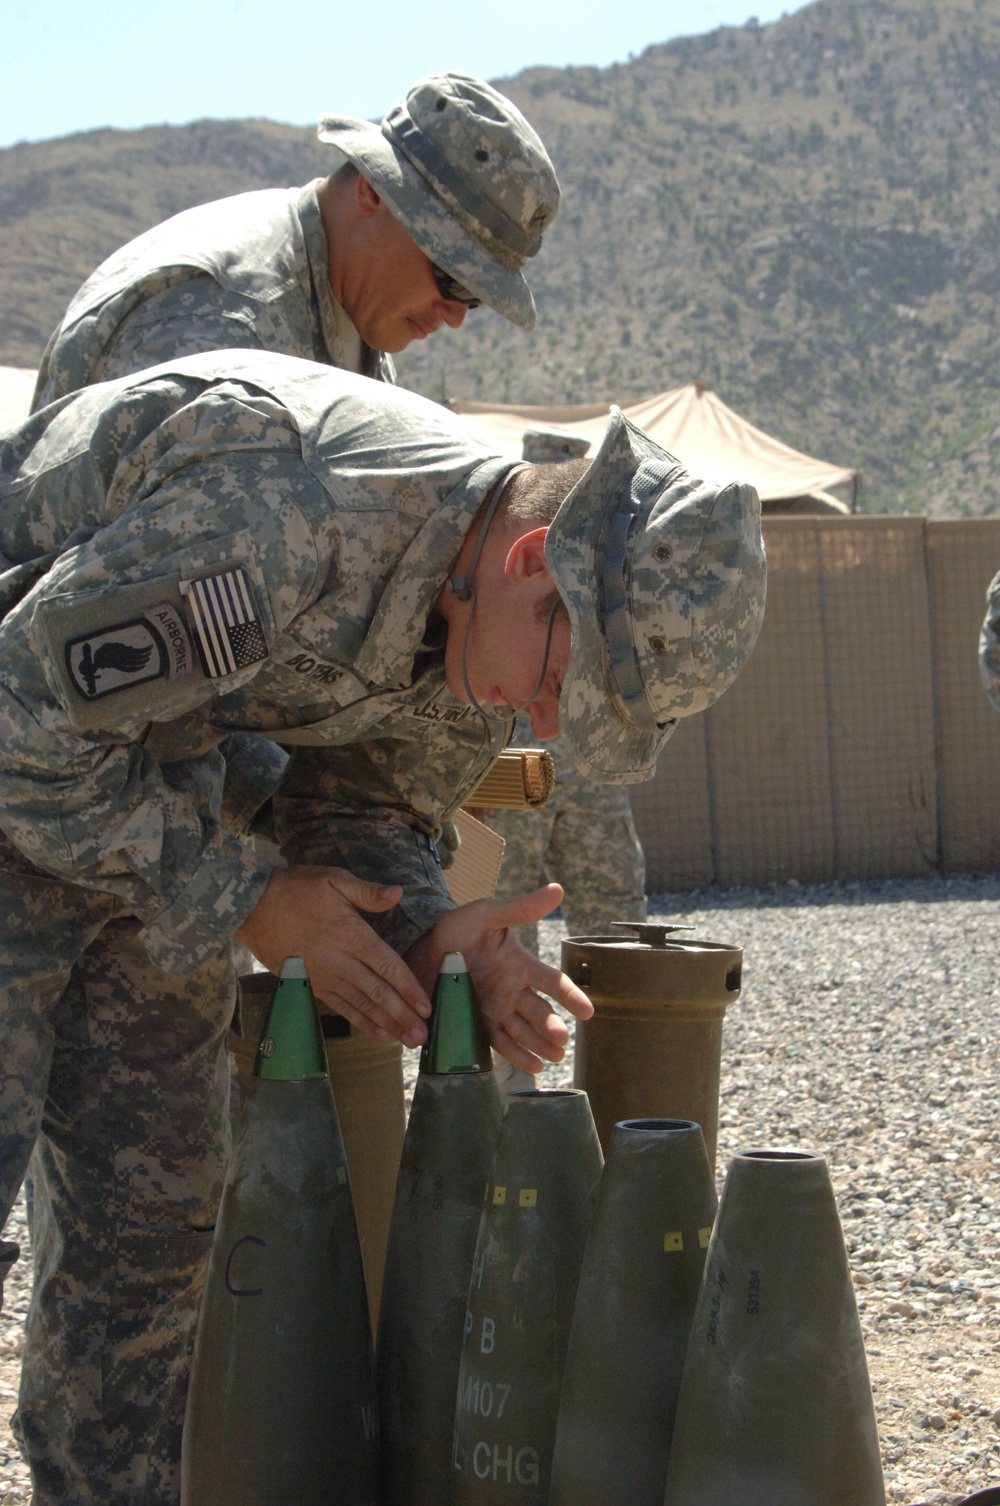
[{"x": 73, "y": 65}]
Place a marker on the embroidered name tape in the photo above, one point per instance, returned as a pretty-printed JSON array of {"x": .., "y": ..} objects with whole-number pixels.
[
  {"x": 222, "y": 612},
  {"x": 154, "y": 646}
]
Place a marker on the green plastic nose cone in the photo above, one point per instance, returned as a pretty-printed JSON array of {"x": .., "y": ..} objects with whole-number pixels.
[
  {"x": 775, "y": 1403},
  {"x": 291, "y": 1048},
  {"x": 457, "y": 1041}
]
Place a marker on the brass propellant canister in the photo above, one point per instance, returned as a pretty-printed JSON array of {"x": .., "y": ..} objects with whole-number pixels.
[
  {"x": 653, "y": 1047},
  {"x": 366, "y": 1075}
]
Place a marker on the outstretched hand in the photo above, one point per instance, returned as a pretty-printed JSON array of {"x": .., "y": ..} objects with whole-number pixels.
[
  {"x": 509, "y": 980},
  {"x": 312, "y": 913}
]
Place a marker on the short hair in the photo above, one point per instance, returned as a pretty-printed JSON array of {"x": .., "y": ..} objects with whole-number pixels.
[{"x": 534, "y": 495}]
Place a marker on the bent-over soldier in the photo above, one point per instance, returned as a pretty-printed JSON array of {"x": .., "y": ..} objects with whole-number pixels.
[{"x": 246, "y": 543}]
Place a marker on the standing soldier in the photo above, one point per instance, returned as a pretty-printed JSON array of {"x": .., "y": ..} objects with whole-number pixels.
[{"x": 432, "y": 213}]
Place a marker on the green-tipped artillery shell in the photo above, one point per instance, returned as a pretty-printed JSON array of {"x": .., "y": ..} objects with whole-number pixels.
[
  {"x": 457, "y": 1041},
  {"x": 281, "y": 1405},
  {"x": 776, "y": 1404},
  {"x": 447, "y": 1154},
  {"x": 539, "y": 1204},
  {"x": 634, "y": 1304},
  {"x": 446, "y": 1160}
]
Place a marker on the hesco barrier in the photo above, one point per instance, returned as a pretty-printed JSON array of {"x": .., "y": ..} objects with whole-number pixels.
[{"x": 858, "y": 741}]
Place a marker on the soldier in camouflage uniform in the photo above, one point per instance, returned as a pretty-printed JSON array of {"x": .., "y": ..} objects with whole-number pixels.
[
  {"x": 244, "y": 542},
  {"x": 434, "y": 211},
  {"x": 989, "y": 643},
  {"x": 584, "y": 838}
]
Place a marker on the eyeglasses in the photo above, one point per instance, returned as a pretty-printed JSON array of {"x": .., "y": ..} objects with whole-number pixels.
[{"x": 449, "y": 287}]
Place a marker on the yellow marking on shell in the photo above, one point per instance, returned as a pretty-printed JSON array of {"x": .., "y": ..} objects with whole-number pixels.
[
  {"x": 499, "y": 1195},
  {"x": 704, "y": 1235},
  {"x": 528, "y": 1197},
  {"x": 674, "y": 1240}
]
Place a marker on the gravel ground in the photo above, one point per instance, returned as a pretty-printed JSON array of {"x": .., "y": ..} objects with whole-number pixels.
[{"x": 868, "y": 1030}]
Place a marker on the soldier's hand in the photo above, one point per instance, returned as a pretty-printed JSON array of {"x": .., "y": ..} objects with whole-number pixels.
[
  {"x": 509, "y": 980},
  {"x": 312, "y": 913}
]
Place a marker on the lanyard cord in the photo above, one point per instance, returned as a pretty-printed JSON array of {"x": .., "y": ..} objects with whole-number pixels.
[
  {"x": 460, "y": 586},
  {"x": 511, "y": 710}
]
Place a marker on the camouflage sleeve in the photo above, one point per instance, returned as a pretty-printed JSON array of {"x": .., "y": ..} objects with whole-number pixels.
[
  {"x": 187, "y": 319},
  {"x": 377, "y": 807},
  {"x": 374, "y": 846},
  {"x": 989, "y": 643},
  {"x": 189, "y": 316},
  {"x": 79, "y": 793}
]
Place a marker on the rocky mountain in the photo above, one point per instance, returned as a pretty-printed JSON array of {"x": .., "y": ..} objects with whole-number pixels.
[{"x": 805, "y": 215}]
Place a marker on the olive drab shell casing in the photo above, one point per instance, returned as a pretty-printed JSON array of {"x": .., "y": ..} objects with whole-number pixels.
[
  {"x": 638, "y": 1287},
  {"x": 281, "y": 1403},
  {"x": 654, "y": 1044},
  {"x": 446, "y": 1160},
  {"x": 367, "y": 1079},
  {"x": 537, "y": 1213},
  {"x": 776, "y": 1403}
]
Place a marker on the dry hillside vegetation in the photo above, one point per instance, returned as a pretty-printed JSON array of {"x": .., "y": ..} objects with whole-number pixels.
[{"x": 804, "y": 214}]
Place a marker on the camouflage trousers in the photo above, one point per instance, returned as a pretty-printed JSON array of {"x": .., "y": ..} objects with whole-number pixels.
[
  {"x": 114, "y": 1079},
  {"x": 584, "y": 839}
]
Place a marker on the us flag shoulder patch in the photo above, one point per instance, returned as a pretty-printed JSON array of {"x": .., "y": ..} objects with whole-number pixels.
[{"x": 222, "y": 612}]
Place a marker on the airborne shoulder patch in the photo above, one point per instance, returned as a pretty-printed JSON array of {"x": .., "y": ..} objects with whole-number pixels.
[{"x": 152, "y": 646}]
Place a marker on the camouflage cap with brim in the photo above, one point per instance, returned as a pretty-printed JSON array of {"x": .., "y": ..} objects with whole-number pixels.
[
  {"x": 664, "y": 579},
  {"x": 467, "y": 176}
]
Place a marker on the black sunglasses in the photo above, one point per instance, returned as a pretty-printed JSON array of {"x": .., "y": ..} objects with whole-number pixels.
[{"x": 449, "y": 287}]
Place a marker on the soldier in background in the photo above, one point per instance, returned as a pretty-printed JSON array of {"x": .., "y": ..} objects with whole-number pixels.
[
  {"x": 242, "y": 542},
  {"x": 989, "y": 643},
  {"x": 433, "y": 212},
  {"x": 584, "y": 837}
]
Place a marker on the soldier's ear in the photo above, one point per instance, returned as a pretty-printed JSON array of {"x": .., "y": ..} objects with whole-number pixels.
[
  {"x": 526, "y": 557},
  {"x": 366, "y": 200}
]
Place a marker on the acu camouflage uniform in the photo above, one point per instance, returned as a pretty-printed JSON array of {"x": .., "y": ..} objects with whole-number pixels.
[
  {"x": 250, "y": 272},
  {"x": 330, "y": 509},
  {"x": 989, "y": 643},
  {"x": 584, "y": 838}
]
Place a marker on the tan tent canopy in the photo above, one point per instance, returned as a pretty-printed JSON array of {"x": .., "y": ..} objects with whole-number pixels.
[
  {"x": 693, "y": 424},
  {"x": 16, "y": 386}
]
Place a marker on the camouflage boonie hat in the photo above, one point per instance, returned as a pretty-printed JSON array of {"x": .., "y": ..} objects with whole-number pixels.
[
  {"x": 465, "y": 174},
  {"x": 664, "y": 578},
  {"x": 543, "y": 444}
]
